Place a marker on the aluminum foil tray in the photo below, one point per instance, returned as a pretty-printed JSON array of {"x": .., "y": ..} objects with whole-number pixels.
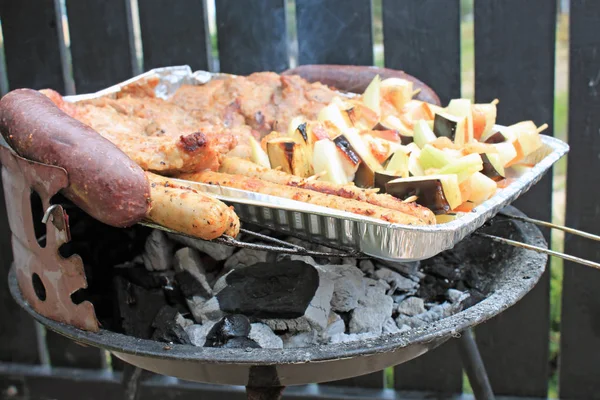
[{"x": 340, "y": 229}]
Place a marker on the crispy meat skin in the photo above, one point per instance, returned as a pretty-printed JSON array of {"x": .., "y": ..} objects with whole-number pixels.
[
  {"x": 264, "y": 101},
  {"x": 238, "y": 166},
  {"x": 304, "y": 195},
  {"x": 157, "y": 135}
]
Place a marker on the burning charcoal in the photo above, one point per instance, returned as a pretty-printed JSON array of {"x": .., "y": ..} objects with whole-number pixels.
[
  {"x": 240, "y": 343},
  {"x": 245, "y": 258},
  {"x": 367, "y": 267},
  {"x": 137, "y": 307},
  {"x": 303, "y": 339},
  {"x": 183, "y": 321},
  {"x": 408, "y": 269},
  {"x": 336, "y": 327},
  {"x": 198, "y": 333},
  {"x": 220, "y": 283},
  {"x": 348, "y": 287},
  {"x": 158, "y": 251},
  {"x": 231, "y": 326},
  {"x": 188, "y": 265},
  {"x": 396, "y": 280},
  {"x": 390, "y": 327},
  {"x": 279, "y": 291},
  {"x": 290, "y": 325},
  {"x": 138, "y": 275},
  {"x": 372, "y": 311},
  {"x": 350, "y": 261},
  {"x": 216, "y": 251},
  {"x": 168, "y": 328},
  {"x": 411, "y": 306},
  {"x": 264, "y": 336},
  {"x": 205, "y": 310}
]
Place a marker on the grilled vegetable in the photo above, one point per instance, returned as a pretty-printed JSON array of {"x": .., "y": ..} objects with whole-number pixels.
[
  {"x": 290, "y": 156},
  {"x": 494, "y": 137},
  {"x": 416, "y": 110},
  {"x": 397, "y": 91},
  {"x": 348, "y": 157},
  {"x": 393, "y": 123},
  {"x": 433, "y": 158},
  {"x": 397, "y": 164},
  {"x": 450, "y": 126},
  {"x": 439, "y": 193},
  {"x": 366, "y": 171},
  {"x": 492, "y": 167},
  {"x": 462, "y": 108},
  {"x": 423, "y": 134},
  {"x": 463, "y": 167},
  {"x": 362, "y": 117},
  {"x": 484, "y": 118},
  {"x": 372, "y": 96},
  {"x": 326, "y": 160},
  {"x": 527, "y": 139},
  {"x": 482, "y": 188},
  {"x": 333, "y": 113},
  {"x": 258, "y": 154},
  {"x": 506, "y": 152}
]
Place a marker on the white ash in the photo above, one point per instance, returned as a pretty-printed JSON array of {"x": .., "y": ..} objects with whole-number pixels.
[
  {"x": 456, "y": 296},
  {"x": 197, "y": 333},
  {"x": 220, "y": 283},
  {"x": 372, "y": 311},
  {"x": 408, "y": 269},
  {"x": 352, "y": 337},
  {"x": 349, "y": 286},
  {"x": 182, "y": 321},
  {"x": 303, "y": 339},
  {"x": 188, "y": 259},
  {"x": 390, "y": 327},
  {"x": 396, "y": 280},
  {"x": 216, "y": 251},
  {"x": 205, "y": 310},
  {"x": 158, "y": 251},
  {"x": 411, "y": 306},
  {"x": 264, "y": 336},
  {"x": 336, "y": 327},
  {"x": 367, "y": 267},
  {"x": 245, "y": 258}
]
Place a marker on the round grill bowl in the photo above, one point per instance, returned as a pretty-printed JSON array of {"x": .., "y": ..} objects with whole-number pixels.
[{"x": 508, "y": 273}]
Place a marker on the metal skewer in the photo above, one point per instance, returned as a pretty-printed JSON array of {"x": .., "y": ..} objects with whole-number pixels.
[
  {"x": 553, "y": 226},
  {"x": 539, "y": 249}
]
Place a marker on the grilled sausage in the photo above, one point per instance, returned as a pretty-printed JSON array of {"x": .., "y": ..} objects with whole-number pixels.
[
  {"x": 103, "y": 181},
  {"x": 306, "y": 196},
  {"x": 355, "y": 78},
  {"x": 189, "y": 211},
  {"x": 233, "y": 165}
]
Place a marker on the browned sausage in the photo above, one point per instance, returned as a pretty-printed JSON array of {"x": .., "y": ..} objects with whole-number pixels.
[
  {"x": 103, "y": 181},
  {"x": 304, "y": 195},
  {"x": 356, "y": 78}
]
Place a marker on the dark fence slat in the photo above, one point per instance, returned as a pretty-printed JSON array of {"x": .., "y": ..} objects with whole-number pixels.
[
  {"x": 438, "y": 371},
  {"x": 31, "y": 45},
  {"x": 252, "y": 36},
  {"x": 175, "y": 33},
  {"x": 100, "y": 43},
  {"x": 422, "y": 38},
  {"x": 32, "y": 54},
  {"x": 514, "y": 62},
  {"x": 334, "y": 32},
  {"x": 580, "y": 324}
]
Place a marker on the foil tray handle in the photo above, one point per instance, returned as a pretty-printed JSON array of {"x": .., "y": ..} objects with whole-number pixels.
[{"x": 46, "y": 279}]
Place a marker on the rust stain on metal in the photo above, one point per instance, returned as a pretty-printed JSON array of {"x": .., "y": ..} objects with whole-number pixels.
[{"x": 61, "y": 277}]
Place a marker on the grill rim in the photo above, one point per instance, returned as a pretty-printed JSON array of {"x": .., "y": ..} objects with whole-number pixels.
[{"x": 508, "y": 291}]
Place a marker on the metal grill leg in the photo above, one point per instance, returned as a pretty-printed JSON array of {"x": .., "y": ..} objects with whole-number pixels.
[
  {"x": 131, "y": 381},
  {"x": 474, "y": 367},
  {"x": 264, "y": 393}
]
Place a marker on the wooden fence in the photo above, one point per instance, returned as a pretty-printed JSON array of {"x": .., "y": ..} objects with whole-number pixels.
[{"x": 514, "y": 61}]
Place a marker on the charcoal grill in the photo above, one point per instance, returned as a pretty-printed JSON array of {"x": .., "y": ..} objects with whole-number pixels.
[{"x": 42, "y": 282}]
